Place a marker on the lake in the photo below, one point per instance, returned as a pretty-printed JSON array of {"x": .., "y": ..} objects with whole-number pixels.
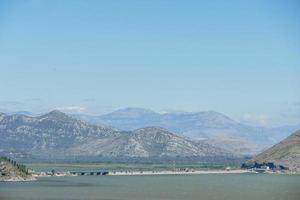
[{"x": 160, "y": 187}]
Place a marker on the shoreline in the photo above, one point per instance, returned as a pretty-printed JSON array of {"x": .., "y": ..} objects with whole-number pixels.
[
  {"x": 148, "y": 173},
  {"x": 145, "y": 173},
  {"x": 153, "y": 173},
  {"x": 18, "y": 179}
]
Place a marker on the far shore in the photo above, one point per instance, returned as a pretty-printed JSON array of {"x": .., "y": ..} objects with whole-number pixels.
[
  {"x": 161, "y": 172},
  {"x": 35, "y": 176},
  {"x": 138, "y": 173},
  {"x": 146, "y": 173}
]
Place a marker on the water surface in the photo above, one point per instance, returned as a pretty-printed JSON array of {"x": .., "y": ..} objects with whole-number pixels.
[{"x": 162, "y": 187}]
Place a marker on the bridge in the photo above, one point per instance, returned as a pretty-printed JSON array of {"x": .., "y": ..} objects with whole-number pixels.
[{"x": 89, "y": 173}]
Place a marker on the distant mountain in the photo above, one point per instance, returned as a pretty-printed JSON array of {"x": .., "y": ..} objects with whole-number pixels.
[
  {"x": 286, "y": 153},
  {"x": 212, "y": 126},
  {"x": 131, "y": 113},
  {"x": 27, "y": 113},
  {"x": 56, "y": 134},
  {"x": 148, "y": 142},
  {"x": 53, "y": 131},
  {"x": 124, "y": 119}
]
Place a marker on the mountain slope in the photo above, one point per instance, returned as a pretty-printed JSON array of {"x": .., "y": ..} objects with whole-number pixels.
[
  {"x": 197, "y": 125},
  {"x": 57, "y": 134},
  {"x": 52, "y": 131},
  {"x": 213, "y": 127},
  {"x": 149, "y": 142},
  {"x": 285, "y": 153}
]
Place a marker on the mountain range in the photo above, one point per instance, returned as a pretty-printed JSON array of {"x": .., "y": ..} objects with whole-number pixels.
[
  {"x": 56, "y": 134},
  {"x": 212, "y": 127},
  {"x": 134, "y": 132}
]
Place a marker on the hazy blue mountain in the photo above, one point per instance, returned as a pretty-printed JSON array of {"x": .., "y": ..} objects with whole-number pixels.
[
  {"x": 124, "y": 119},
  {"x": 58, "y": 134},
  {"x": 197, "y": 125},
  {"x": 27, "y": 113},
  {"x": 212, "y": 126}
]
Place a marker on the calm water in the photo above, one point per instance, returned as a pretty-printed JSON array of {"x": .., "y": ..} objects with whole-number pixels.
[{"x": 194, "y": 187}]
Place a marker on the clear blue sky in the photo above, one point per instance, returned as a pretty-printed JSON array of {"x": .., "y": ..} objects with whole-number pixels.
[{"x": 241, "y": 58}]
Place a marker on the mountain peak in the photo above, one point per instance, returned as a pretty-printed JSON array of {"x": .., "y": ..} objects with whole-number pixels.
[
  {"x": 131, "y": 113},
  {"x": 56, "y": 114},
  {"x": 216, "y": 116},
  {"x": 134, "y": 110}
]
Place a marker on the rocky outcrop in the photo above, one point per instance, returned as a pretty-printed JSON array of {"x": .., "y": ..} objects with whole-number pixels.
[
  {"x": 12, "y": 171},
  {"x": 286, "y": 153}
]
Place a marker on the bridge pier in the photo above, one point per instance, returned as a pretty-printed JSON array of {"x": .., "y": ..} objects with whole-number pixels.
[{"x": 92, "y": 173}]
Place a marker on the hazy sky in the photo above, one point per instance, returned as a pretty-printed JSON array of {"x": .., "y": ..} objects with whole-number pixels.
[{"x": 241, "y": 58}]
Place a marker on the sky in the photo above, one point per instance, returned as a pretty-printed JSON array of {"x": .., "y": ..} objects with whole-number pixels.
[{"x": 240, "y": 58}]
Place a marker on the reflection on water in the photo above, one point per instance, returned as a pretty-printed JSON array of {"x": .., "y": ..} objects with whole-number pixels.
[{"x": 194, "y": 187}]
